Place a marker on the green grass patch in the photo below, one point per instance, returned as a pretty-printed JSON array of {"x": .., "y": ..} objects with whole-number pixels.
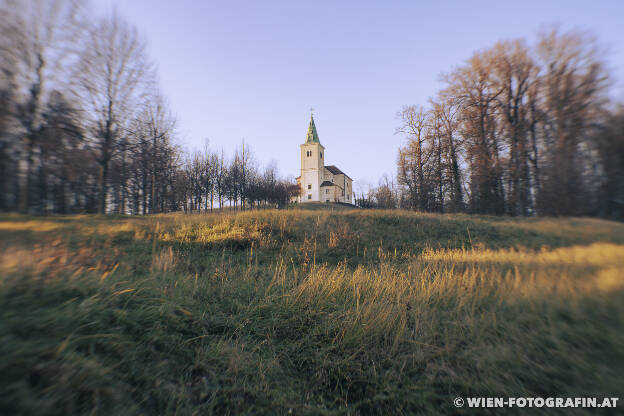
[{"x": 305, "y": 311}]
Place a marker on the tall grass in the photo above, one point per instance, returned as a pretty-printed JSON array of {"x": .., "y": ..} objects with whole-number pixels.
[{"x": 305, "y": 312}]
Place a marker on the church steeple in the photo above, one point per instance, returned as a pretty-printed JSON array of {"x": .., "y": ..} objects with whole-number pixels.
[{"x": 312, "y": 136}]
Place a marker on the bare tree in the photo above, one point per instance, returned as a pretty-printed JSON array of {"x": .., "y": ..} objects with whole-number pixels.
[
  {"x": 220, "y": 179},
  {"x": 436, "y": 175},
  {"x": 211, "y": 170},
  {"x": 412, "y": 156},
  {"x": 112, "y": 77},
  {"x": 515, "y": 72},
  {"x": 385, "y": 193},
  {"x": 159, "y": 125},
  {"x": 572, "y": 83},
  {"x": 446, "y": 110},
  {"x": 37, "y": 39},
  {"x": 473, "y": 87}
]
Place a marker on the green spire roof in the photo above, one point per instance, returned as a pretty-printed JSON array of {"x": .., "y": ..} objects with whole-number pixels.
[{"x": 312, "y": 136}]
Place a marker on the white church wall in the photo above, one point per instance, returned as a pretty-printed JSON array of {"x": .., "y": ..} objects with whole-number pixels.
[
  {"x": 311, "y": 185},
  {"x": 312, "y": 156}
]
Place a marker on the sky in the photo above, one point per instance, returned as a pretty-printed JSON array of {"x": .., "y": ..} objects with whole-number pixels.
[{"x": 252, "y": 70}]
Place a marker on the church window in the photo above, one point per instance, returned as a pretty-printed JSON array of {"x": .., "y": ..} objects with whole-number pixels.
[
  {"x": 309, "y": 186},
  {"x": 309, "y": 196},
  {"x": 321, "y": 153},
  {"x": 327, "y": 200},
  {"x": 326, "y": 191}
]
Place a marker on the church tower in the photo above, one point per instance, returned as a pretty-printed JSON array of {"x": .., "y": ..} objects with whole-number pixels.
[{"x": 312, "y": 165}]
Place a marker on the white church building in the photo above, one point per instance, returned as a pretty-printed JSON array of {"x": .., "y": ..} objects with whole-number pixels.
[{"x": 320, "y": 183}]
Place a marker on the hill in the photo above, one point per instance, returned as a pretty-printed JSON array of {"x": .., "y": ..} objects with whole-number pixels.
[
  {"x": 315, "y": 206},
  {"x": 305, "y": 312}
]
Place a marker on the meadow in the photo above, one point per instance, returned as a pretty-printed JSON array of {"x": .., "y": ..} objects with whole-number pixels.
[{"x": 306, "y": 312}]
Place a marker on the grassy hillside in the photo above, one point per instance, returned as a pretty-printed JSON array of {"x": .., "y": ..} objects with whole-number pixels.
[
  {"x": 316, "y": 206},
  {"x": 305, "y": 312}
]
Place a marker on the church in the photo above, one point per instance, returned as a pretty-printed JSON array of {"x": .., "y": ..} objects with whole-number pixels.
[{"x": 320, "y": 183}]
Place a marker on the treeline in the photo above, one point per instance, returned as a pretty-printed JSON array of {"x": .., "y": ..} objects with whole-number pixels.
[
  {"x": 515, "y": 130},
  {"x": 211, "y": 180},
  {"x": 84, "y": 128}
]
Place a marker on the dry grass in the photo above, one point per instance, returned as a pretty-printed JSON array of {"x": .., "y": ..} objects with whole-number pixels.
[{"x": 305, "y": 312}]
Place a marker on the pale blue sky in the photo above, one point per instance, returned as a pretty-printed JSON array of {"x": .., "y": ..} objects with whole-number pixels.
[{"x": 252, "y": 69}]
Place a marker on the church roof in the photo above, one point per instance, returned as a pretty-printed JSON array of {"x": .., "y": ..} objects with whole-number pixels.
[
  {"x": 327, "y": 183},
  {"x": 312, "y": 136},
  {"x": 335, "y": 171}
]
